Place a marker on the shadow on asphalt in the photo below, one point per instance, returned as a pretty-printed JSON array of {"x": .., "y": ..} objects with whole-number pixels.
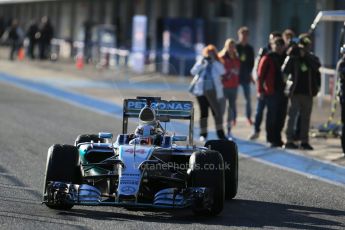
[
  {"x": 19, "y": 183},
  {"x": 237, "y": 213}
]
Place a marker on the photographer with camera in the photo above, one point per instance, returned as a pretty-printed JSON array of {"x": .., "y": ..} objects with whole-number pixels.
[
  {"x": 208, "y": 89},
  {"x": 304, "y": 80}
]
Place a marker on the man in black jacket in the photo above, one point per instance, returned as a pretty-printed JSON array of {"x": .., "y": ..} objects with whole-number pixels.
[
  {"x": 46, "y": 34},
  {"x": 303, "y": 68},
  {"x": 31, "y": 34},
  {"x": 246, "y": 54},
  {"x": 15, "y": 38}
]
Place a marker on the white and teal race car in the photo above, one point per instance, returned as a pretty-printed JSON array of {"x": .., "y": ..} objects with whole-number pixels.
[{"x": 148, "y": 168}]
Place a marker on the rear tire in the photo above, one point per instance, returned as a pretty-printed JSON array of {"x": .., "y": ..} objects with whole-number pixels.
[
  {"x": 213, "y": 179},
  {"x": 229, "y": 152},
  {"x": 88, "y": 138},
  {"x": 63, "y": 166}
]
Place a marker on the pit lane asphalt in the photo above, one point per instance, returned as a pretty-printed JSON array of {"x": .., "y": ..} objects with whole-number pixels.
[{"x": 268, "y": 197}]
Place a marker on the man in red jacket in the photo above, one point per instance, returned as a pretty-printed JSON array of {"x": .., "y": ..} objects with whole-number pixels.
[{"x": 271, "y": 88}]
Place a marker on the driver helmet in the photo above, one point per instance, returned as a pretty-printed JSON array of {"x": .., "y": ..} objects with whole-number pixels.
[
  {"x": 148, "y": 129},
  {"x": 147, "y": 116}
]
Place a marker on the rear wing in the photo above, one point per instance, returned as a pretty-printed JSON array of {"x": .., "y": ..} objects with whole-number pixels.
[{"x": 179, "y": 110}]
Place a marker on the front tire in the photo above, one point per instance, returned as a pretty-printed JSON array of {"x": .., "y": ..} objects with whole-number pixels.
[
  {"x": 229, "y": 152},
  {"x": 63, "y": 166},
  {"x": 212, "y": 179}
]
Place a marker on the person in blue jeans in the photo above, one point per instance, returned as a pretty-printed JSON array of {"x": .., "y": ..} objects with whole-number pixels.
[
  {"x": 260, "y": 107},
  {"x": 246, "y": 54},
  {"x": 230, "y": 81}
]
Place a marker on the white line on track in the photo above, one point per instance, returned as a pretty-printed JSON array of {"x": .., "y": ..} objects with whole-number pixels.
[
  {"x": 17, "y": 187},
  {"x": 6, "y": 174},
  {"x": 21, "y": 200},
  {"x": 39, "y": 218}
]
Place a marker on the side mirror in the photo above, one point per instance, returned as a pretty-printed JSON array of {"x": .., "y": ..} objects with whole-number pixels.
[
  {"x": 105, "y": 135},
  {"x": 179, "y": 138}
]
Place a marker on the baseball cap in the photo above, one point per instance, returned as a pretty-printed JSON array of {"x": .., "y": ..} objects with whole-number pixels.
[{"x": 304, "y": 41}]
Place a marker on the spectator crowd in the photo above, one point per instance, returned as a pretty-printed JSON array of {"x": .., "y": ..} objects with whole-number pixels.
[
  {"x": 287, "y": 79},
  {"x": 37, "y": 37}
]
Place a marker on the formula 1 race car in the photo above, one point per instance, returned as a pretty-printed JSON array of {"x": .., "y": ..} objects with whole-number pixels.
[{"x": 146, "y": 168}]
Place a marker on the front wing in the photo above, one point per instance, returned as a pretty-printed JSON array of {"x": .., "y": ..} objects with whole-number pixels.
[{"x": 60, "y": 193}]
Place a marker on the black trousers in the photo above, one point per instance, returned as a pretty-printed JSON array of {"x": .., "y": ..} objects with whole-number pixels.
[
  {"x": 31, "y": 49},
  {"x": 44, "y": 50},
  {"x": 14, "y": 50},
  {"x": 206, "y": 102},
  {"x": 275, "y": 118},
  {"x": 271, "y": 117}
]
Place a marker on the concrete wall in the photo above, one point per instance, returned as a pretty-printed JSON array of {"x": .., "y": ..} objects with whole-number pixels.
[
  {"x": 81, "y": 15},
  {"x": 263, "y": 23},
  {"x": 261, "y": 16},
  {"x": 65, "y": 30}
]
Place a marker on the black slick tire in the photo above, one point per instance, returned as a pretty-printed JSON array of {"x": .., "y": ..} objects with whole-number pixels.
[
  {"x": 201, "y": 174},
  {"x": 63, "y": 166},
  {"x": 229, "y": 152}
]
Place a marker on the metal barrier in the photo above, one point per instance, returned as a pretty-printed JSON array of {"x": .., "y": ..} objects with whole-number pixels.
[
  {"x": 60, "y": 48},
  {"x": 104, "y": 57},
  {"x": 110, "y": 57},
  {"x": 328, "y": 85}
]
